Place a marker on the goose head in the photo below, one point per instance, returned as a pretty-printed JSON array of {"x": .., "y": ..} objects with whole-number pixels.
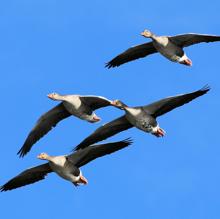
[
  {"x": 43, "y": 156},
  {"x": 147, "y": 34},
  {"x": 119, "y": 104},
  {"x": 54, "y": 96}
]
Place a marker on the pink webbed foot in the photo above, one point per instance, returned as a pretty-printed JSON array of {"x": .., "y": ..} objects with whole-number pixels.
[
  {"x": 96, "y": 118},
  {"x": 83, "y": 180},
  {"x": 187, "y": 62},
  {"x": 159, "y": 133}
]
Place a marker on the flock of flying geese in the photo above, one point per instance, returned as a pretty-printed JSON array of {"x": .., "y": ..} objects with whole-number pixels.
[{"x": 83, "y": 107}]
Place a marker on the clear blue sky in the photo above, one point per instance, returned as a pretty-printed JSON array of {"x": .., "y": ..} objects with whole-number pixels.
[{"x": 61, "y": 46}]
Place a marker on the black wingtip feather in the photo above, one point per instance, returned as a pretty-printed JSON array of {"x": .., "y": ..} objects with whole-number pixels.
[
  {"x": 128, "y": 141},
  {"x": 2, "y": 189},
  {"x": 109, "y": 65},
  {"x": 206, "y": 88},
  {"x": 113, "y": 63},
  {"x": 5, "y": 188},
  {"x": 21, "y": 153},
  {"x": 75, "y": 149}
]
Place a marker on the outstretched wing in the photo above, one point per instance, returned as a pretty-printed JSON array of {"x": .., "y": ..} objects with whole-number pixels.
[
  {"x": 118, "y": 125},
  {"x": 131, "y": 54},
  {"x": 84, "y": 156},
  {"x": 189, "y": 39},
  {"x": 27, "y": 177},
  {"x": 45, "y": 123},
  {"x": 95, "y": 102},
  {"x": 165, "y": 105}
]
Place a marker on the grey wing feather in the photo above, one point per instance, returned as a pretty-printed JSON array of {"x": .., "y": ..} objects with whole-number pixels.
[
  {"x": 131, "y": 54},
  {"x": 165, "y": 105},
  {"x": 185, "y": 40},
  {"x": 118, "y": 125},
  {"x": 88, "y": 154},
  {"x": 43, "y": 126},
  {"x": 27, "y": 177},
  {"x": 95, "y": 102}
]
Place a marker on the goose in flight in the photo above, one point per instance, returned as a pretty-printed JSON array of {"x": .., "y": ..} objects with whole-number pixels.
[
  {"x": 67, "y": 166},
  {"x": 169, "y": 46},
  {"x": 141, "y": 117},
  {"x": 80, "y": 106}
]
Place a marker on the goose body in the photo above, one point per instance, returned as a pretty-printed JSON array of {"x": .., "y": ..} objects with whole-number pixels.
[
  {"x": 170, "y": 47},
  {"x": 66, "y": 166},
  {"x": 82, "y": 107},
  {"x": 78, "y": 106},
  {"x": 75, "y": 107},
  {"x": 142, "y": 117}
]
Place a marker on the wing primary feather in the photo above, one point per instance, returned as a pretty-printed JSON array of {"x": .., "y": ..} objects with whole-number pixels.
[
  {"x": 95, "y": 151},
  {"x": 44, "y": 124},
  {"x": 28, "y": 176},
  {"x": 165, "y": 105},
  {"x": 132, "y": 54},
  {"x": 109, "y": 129}
]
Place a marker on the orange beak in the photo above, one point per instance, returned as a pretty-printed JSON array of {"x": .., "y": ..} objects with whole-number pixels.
[
  {"x": 50, "y": 96},
  {"x": 142, "y": 33}
]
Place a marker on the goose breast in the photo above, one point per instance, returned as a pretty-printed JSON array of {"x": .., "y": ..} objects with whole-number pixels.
[
  {"x": 72, "y": 103},
  {"x": 76, "y": 107},
  {"x": 168, "y": 49},
  {"x": 140, "y": 119},
  {"x": 64, "y": 169}
]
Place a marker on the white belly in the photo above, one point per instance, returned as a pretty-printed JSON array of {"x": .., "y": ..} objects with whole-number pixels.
[
  {"x": 168, "y": 50},
  {"x": 67, "y": 175},
  {"x": 73, "y": 104},
  {"x": 58, "y": 166}
]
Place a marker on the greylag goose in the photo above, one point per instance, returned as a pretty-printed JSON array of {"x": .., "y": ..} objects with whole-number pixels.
[
  {"x": 169, "y": 46},
  {"x": 142, "y": 117},
  {"x": 80, "y": 106},
  {"x": 67, "y": 167}
]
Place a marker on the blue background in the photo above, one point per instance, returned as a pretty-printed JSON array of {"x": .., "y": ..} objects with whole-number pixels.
[{"x": 62, "y": 46}]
